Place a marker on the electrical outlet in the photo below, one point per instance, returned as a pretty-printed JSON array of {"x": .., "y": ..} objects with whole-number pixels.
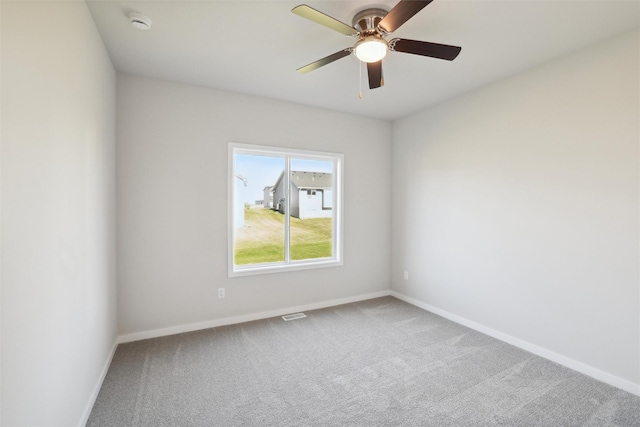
[
  {"x": 220, "y": 292},
  {"x": 406, "y": 275}
]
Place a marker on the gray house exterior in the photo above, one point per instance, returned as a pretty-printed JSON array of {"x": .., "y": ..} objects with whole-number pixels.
[
  {"x": 267, "y": 201},
  {"x": 311, "y": 194}
]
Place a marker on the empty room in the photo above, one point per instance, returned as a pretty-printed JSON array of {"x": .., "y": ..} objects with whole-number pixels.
[{"x": 271, "y": 213}]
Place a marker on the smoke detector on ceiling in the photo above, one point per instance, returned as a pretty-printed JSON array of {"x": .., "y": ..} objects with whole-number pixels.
[{"x": 139, "y": 21}]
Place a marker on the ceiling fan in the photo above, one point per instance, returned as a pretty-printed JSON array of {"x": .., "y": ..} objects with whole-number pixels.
[{"x": 371, "y": 26}]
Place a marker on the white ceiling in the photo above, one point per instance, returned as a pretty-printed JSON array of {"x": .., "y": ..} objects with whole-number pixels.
[{"x": 254, "y": 47}]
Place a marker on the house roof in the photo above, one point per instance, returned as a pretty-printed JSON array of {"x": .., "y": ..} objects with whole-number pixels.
[
  {"x": 308, "y": 180},
  {"x": 302, "y": 179}
]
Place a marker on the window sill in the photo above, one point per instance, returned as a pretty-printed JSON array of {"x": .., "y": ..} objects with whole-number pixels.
[{"x": 282, "y": 268}]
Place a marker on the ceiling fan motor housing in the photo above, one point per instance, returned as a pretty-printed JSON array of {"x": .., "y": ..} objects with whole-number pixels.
[{"x": 367, "y": 20}]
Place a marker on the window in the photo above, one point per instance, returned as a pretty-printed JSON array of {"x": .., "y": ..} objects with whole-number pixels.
[{"x": 284, "y": 209}]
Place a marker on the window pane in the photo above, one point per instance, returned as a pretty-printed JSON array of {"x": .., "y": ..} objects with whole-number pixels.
[
  {"x": 284, "y": 209},
  {"x": 311, "y": 216},
  {"x": 259, "y": 225}
]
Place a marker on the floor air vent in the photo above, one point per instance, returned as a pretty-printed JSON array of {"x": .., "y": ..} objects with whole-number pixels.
[{"x": 293, "y": 316}]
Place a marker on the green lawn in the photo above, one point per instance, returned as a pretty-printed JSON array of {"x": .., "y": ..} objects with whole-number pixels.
[{"x": 262, "y": 238}]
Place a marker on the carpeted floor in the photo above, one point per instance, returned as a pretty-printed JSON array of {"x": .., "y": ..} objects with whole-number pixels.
[{"x": 380, "y": 362}]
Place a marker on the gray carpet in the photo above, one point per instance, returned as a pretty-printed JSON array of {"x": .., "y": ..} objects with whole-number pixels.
[{"x": 380, "y": 362}]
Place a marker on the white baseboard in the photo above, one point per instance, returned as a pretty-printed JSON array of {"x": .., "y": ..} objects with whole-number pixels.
[
  {"x": 98, "y": 386},
  {"x": 155, "y": 333},
  {"x": 583, "y": 368}
]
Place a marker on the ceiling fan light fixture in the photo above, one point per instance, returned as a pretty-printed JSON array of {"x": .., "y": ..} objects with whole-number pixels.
[{"x": 371, "y": 49}]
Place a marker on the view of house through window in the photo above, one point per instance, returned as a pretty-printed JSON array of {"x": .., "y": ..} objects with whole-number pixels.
[{"x": 284, "y": 208}]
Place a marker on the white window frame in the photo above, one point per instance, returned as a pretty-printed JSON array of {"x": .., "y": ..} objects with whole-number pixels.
[{"x": 337, "y": 218}]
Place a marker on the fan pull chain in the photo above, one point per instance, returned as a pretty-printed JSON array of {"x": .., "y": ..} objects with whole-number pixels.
[{"x": 360, "y": 69}]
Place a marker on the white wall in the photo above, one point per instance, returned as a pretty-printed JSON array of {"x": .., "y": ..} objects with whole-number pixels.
[
  {"x": 59, "y": 318},
  {"x": 172, "y": 227},
  {"x": 517, "y": 208}
]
